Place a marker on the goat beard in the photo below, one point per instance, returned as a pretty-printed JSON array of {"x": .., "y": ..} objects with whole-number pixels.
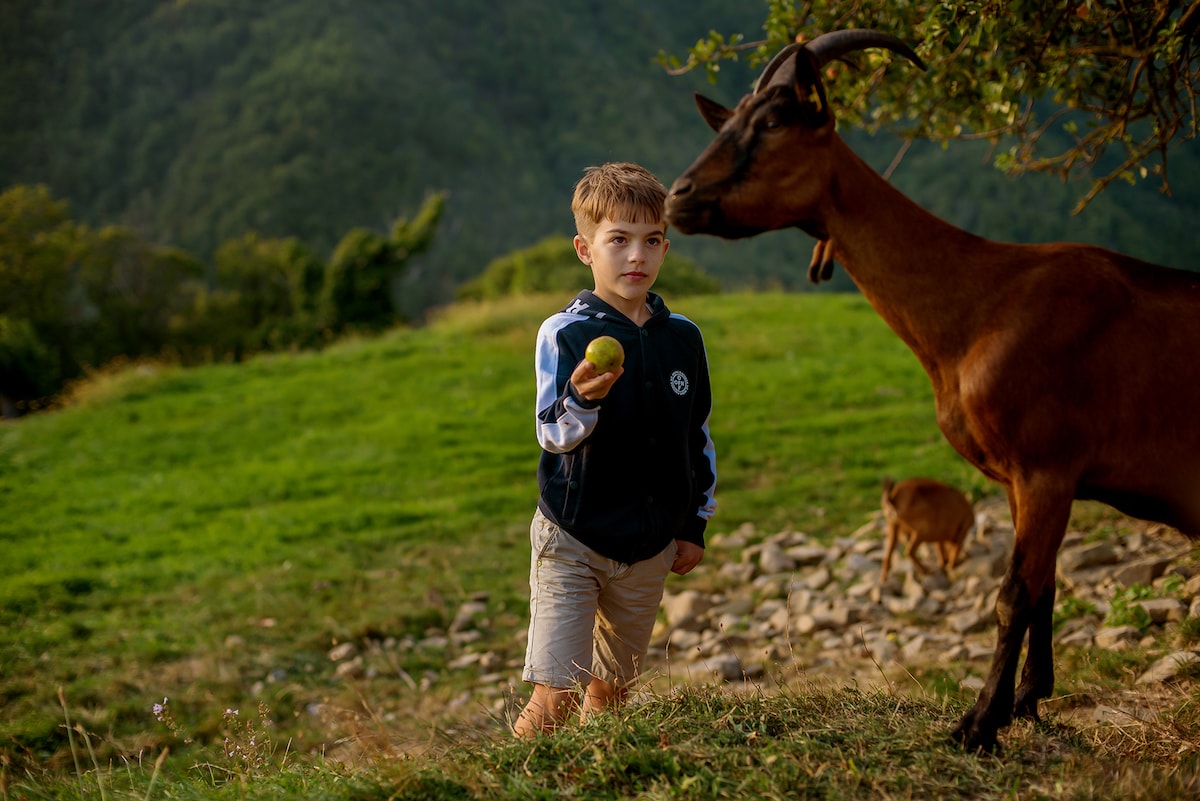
[{"x": 820, "y": 268}]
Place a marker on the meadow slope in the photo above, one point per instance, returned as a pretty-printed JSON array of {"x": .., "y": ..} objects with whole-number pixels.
[{"x": 209, "y": 535}]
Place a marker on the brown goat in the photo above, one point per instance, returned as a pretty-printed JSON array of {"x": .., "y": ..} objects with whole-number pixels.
[
  {"x": 919, "y": 510},
  {"x": 1061, "y": 371}
]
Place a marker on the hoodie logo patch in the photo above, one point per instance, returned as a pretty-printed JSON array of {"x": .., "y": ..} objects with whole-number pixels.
[{"x": 679, "y": 383}]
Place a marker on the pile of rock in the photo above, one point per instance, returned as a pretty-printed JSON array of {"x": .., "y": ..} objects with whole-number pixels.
[
  {"x": 785, "y": 607},
  {"x": 786, "y": 600}
]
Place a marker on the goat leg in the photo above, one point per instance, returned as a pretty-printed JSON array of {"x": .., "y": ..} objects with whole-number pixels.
[
  {"x": 1026, "y": 599},
  {"x": 892, "y": 528},
  {"x": 946, "y": 553},
  {"x": 1037, "y": 677},
  {"x": 914, "y": 542},
  {"x": 993, "y": 708}
]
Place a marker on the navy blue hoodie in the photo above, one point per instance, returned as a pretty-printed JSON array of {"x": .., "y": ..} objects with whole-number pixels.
[{"x": 627, "y": 474}]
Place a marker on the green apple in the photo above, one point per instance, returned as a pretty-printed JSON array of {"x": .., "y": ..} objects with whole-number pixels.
[{"x": 605, "y": 353}]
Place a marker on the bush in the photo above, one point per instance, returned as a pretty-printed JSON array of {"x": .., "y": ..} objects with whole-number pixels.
[{"x": 28, "y": 370}]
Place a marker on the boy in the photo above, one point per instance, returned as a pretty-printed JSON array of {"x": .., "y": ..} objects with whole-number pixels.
[{"x": 627, "y": 471}]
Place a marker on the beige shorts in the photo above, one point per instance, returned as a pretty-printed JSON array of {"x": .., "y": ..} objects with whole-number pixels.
[{"x": 589, "y": 616}]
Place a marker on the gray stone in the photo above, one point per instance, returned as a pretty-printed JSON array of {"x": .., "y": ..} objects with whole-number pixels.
[
  {"x": 1142, "y": 572},
  {"x": 804, "y": 555},
  {"x": 463, "y": 662},
  {"x": 820, "y": 621},
  {"x": 737, "y": 572},
  {"x": 863, "y": 589},
  {"x": 970, "y": 621},
  {"x": 1082, "y": 636},
  {"x": 728, "y": 624},
  {"x": 1081, "y": 557},
  {"x": 1112, "y": 715},
  {"x": 350, "y": 668},
  {"x": 818, "y": 579},
  {"x": 468, "y": 616},
  {"x": 773, "y": 559},
  {"x": 1162, "y": 610},
  {"x": 739, "y": 606},
  {"x": 978, "y": 650},
  {"x": 912, "y": 649},
  {"x": 724, "y": 667},
  {"x": 953, "y": 653},
  {"x": 1169, "y": 667},
  {"x": 683, "y": 641},
  {"x": 342, "y": 651},
  {"x": 768, "y": 608},
  {"x": 1117, "y": 636},
  {"x": 881, "y": 649},
  {"x": 901, "y": 606},
  {"x": 684, "y": 609}
]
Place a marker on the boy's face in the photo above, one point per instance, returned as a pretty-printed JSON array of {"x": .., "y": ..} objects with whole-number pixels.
[{"x": 625, "y": 258}]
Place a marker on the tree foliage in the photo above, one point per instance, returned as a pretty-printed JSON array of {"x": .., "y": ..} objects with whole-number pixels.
[
  {"x": 1056, "y": 86},
  {"x": 73, "y": 299},
  {"x": 263, "y": 297},
  {"x": 194, "y": 124},
  {"x": 359, "y": 280}
]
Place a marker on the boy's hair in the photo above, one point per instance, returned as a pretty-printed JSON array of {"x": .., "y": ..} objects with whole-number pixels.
[{"x": 617, "y": 191}]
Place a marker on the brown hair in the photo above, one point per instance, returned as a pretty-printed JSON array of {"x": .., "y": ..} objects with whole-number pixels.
[{"x": 617, "y": 191}]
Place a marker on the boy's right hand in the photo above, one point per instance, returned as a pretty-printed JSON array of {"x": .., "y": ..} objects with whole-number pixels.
[{"x": 589, "y": 384}]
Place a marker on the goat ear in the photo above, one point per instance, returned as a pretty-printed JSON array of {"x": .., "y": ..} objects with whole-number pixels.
[
  {"x": 810, "y": 92},
  {"x": 713, "y": 112}
]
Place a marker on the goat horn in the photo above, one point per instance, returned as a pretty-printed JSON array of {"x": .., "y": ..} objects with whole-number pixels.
[
  {"x": 834, "y": 45},
  {"x": 774, "y": 63}
]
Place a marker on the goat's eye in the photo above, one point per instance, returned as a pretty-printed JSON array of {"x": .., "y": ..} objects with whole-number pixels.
[{"x": 771, "y": 123}]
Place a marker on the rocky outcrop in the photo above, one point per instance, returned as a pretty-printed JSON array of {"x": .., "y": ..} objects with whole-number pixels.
[
  {"x": 766, "y": 609},
  {"x": 783, "y": 600}
]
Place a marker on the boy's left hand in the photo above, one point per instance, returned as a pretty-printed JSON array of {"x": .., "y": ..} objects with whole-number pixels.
[{"x": 688, "y": 556}]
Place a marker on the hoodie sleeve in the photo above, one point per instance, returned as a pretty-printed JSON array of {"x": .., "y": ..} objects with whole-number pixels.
[{"x": 564, "y": 419}]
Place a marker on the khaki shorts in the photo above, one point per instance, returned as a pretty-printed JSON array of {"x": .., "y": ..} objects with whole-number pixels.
[{"x": 589, "y": 616}]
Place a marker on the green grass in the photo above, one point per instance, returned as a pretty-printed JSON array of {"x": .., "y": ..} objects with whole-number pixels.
[
  {"x": 698, "y": 744},
  {"x": 209, "y": 535}
]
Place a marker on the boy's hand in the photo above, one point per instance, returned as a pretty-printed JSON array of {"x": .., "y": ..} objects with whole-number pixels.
[
  {"x": 688, "y": 556},
  {"x": 590, "y": 385}
]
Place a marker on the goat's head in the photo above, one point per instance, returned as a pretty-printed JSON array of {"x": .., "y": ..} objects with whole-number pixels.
[{"x": 769, "y": 165}]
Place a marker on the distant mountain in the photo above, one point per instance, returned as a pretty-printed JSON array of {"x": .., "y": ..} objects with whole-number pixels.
[{"x": 194, "y": 121}]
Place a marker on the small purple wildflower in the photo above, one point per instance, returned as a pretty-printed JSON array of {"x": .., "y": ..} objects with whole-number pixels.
[{"x": 160, "y": 709}]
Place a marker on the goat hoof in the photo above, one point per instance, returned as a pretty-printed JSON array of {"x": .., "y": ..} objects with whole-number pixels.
[
  {"x": 1026, "y": 703},
  {"x": 1027, "y": 708},
  {"x": 973, "y": 737}
]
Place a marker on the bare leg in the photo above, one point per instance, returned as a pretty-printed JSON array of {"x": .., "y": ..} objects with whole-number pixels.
[
  {"x": 601, "y": 695},
  {"x": 548, "y": 707}
]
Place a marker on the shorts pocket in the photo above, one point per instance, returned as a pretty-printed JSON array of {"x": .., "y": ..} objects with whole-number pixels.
[
  {"x": 669, "y": 553},
  {"x": 542, "y": 534}
]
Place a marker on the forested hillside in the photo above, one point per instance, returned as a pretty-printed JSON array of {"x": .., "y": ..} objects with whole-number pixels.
[{"x": 193, "y": 122}]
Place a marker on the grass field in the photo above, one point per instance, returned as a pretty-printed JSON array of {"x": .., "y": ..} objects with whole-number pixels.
[{"x": 208, "y": 536}]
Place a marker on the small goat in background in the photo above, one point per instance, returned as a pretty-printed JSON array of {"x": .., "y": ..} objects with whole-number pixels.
[{"x": 921, "y": 510}]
